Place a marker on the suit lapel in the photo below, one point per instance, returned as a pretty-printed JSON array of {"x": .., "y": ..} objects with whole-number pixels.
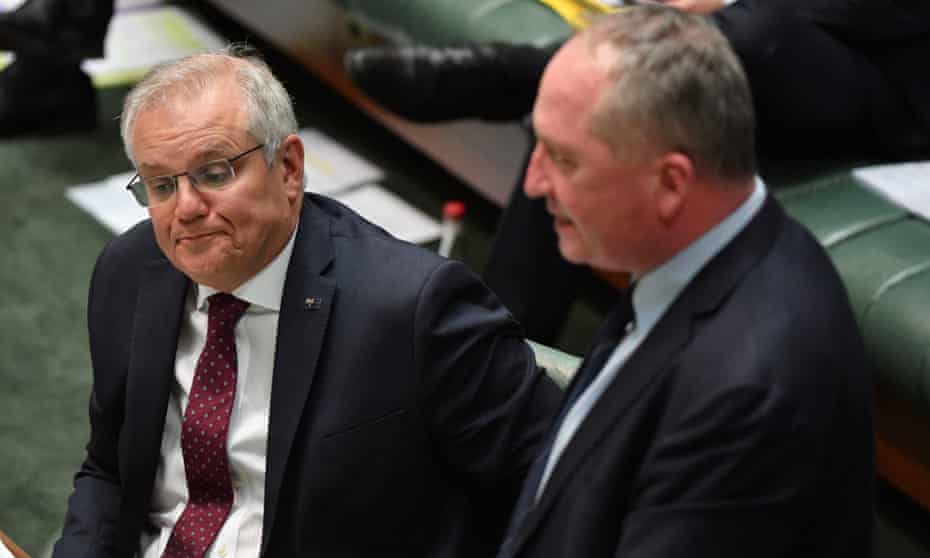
[
  {"x": 665, "y": 341},
  {"x": 703, "y": 295},
  {"x": 151, "y": 373},
  {"x": 305, "y": 309}
]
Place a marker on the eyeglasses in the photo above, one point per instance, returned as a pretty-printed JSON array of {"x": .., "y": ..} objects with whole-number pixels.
[{"x": 215, "y": 175}]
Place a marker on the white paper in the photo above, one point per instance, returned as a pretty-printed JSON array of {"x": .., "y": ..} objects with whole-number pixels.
[
  {"x": 141, "y": 34},
  {"x": 391, "y": 213},
  {"x": 5, "y": 552},
  {"x": 905, "y": 184},
  {"x": 332, "y": 168},
  {"x": 138, "y": 39},
  {"x": 109, "y": 202},
  {"x": 7, "y": 5}
]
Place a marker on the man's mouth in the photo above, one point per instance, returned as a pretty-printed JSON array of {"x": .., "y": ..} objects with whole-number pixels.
[{"x": 197, "y": 237}]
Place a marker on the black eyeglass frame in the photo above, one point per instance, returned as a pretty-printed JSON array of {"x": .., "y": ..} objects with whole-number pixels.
[{"x": 138, "y": 189}]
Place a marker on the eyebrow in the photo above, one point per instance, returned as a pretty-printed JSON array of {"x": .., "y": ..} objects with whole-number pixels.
[
  {"x": 212, "y": 152},
  {"x": 554, "y": 146},
  {"x": 205, "y": 154},
  {"x": 550, "y": 143}
]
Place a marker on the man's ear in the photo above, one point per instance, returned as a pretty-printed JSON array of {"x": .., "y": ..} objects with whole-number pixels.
[
  {"x": 292, "y": 166},
  {"x": 676, "y": 176}
]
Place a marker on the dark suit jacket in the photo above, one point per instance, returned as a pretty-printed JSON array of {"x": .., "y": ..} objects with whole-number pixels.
[
  {"x": 740, "y": 427},
  {"x": 405, "y": 409}
]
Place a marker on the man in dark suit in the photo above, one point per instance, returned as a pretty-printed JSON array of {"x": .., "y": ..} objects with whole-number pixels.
[
  {"x": 724, "y": 409},
  {"x": 275, "y": 376}
]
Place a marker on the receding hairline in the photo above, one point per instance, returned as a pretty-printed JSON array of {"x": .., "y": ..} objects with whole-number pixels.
[
  {"x": 220, "y": 71},
  {"x": 218, "y": 75},
  {"x": 615, "y": 42}
]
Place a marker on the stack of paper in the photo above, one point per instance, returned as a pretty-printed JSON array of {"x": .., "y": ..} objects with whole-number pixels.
[
  {"x": 142, "y": 36},
  {"x": 330, "y": 168},
  {"x": 905, "y": 184}
]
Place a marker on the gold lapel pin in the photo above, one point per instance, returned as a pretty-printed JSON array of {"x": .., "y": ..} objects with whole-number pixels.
[{"x": 313, "y": 302}]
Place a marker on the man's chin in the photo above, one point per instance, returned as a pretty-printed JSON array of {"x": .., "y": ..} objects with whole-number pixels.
[
  {"x": 200, "y": 269},
  {"x": 572, "y": 252}
]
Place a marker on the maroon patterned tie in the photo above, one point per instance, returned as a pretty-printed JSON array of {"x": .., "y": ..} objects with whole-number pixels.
[{"x": 203, "y": 434}]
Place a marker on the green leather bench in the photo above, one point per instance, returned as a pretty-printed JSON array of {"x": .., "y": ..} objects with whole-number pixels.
[
  {"x": 882, "y": 252},
  {"x": 442, "y": 22},
  {"x": 559, "y": 365}
]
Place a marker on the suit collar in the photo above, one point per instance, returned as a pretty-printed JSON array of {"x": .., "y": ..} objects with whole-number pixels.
[
  {"x": 157, "y": 324},
  {"x": 655, "y": 291},
  {"x": 703, "y": 295},
  {"x": 306, "y": 305}
]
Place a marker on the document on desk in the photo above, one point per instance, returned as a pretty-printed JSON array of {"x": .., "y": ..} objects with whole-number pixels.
[
  {"x": 331, "y": 168},
  {"x": 904, "y": 184},
  {"x": 5, "y": 552},
  {"x": 109, "y": 202},
  {"x": 383, "y": 208},
  {"x": 145, "y": 34}
]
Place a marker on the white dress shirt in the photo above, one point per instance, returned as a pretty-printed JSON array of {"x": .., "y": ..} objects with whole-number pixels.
[
  {"x": 654, "y": 293},
  {"x": 247, "y": 442}
]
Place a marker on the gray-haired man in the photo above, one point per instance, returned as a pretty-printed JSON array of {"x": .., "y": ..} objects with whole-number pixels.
[
  {"x": 275, "y": 376},
  {"x": 724, "y": 410}
]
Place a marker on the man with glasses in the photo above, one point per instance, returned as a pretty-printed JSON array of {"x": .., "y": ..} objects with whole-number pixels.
[{"x": 272, "y": 374}]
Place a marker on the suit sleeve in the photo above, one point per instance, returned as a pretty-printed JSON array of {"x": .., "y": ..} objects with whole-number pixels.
[
  {"x": 93, "y": 508},
  {"x": 487, "y": 403},
  {"x": 725, "y": 479}
]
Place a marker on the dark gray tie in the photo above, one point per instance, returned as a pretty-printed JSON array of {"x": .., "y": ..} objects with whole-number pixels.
[{"x": 610, "y": 334}]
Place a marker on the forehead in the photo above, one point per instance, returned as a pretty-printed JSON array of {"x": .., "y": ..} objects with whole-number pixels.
[
  {"x": 571, "y": 85},
  {"x": 212, "y": 118}
]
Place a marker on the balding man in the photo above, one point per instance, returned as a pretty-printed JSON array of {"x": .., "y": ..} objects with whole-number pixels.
[{"x": 724, "y": 410}]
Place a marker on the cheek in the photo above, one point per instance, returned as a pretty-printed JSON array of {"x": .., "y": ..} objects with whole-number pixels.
[
  {"x": 253, "y": 224},
  {"x": 161, "y": 225}
]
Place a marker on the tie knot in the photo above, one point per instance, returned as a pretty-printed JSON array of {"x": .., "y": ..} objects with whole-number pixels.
[
  {"x": 226, "y": 309},
  {"x": 620, "y": 317}
]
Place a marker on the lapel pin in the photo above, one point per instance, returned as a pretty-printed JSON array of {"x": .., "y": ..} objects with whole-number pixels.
[{"x": 313, "y": 302}]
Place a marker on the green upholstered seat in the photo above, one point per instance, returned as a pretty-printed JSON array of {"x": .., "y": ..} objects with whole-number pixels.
[
  {"x": 837, "y": 208},
  {"x": 883, "y": 255},
  {"x": 560, "y": 366},
  {"x": 443, "y": 22}
]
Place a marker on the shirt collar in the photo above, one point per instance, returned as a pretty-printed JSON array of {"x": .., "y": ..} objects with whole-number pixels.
[
  {"x": 264, "y": 289},
  {"x": 656, "y": 290}
]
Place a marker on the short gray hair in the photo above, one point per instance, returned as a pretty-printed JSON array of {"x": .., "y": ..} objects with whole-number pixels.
[
  {"x": 675, "y": 85},
  {"x": 268, "y": 106}
]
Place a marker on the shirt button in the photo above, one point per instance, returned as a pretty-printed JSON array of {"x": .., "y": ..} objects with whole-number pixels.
[
  {"x": 222, "y": 552},
  {"x": 630, "y": 326}
]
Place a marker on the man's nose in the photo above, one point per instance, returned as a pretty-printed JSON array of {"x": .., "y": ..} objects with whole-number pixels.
[
  {"x": 535, "y": 182},
  {"x": 189, "y": 200}
]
